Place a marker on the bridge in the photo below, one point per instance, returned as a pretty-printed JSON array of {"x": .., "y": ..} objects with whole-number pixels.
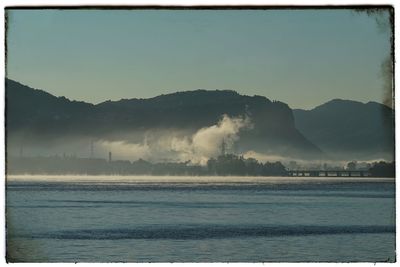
[{"x": 329, "y": 173}]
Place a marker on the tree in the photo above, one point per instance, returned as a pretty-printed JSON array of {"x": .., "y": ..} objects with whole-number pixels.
[
  {"x": 351, "y": 166},
  {"x": 383, "y": 169}
]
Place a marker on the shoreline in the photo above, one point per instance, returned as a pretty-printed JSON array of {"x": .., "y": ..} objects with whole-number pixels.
[{"x": 187, "y": 179}]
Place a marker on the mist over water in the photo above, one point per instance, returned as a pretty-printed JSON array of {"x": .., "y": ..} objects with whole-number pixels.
[{"x": 115, "y": 179}]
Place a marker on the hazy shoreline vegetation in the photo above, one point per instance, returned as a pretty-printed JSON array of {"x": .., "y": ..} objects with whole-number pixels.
[
  {"x": 223, "y": 165},
  {"x": 383, "y": 169}
]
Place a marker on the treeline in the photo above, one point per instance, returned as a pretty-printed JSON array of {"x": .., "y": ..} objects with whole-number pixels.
[
  {"x": 237, "y": 165},
  {"x": 223, "y": 165},
  {"x": 375, "y": 169},
  {"x": 383, "y": 169}
]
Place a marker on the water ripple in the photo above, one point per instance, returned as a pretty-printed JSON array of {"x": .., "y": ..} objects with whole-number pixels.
[{"x": 186, "y": 232}]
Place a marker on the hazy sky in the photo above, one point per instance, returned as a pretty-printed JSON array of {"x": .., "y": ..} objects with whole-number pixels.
[{"x": 301, "y": 57}]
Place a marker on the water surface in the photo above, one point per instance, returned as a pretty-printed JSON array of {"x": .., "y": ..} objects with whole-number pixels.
[{"x": 166, "y": 219}]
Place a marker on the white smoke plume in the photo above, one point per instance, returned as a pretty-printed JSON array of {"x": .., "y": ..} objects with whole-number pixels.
[
  {"x": 264, "y": 157},
  {"x": 197, "y": 148},
  {"x": 206, "y": 142},
  {"x": 124, "y": 150}
]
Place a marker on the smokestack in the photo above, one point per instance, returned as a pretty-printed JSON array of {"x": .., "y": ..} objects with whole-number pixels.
[
  {"x": 91, "y": 149},
  {"x": 109, "y": 156},
  {"x": 223, "y": 147}
]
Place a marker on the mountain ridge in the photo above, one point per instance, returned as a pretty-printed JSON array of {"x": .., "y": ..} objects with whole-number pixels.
[
  {"x": 347, "y": 126},
  {"x": 278, "y": 129},
  {"x": 47, "y": 119}
]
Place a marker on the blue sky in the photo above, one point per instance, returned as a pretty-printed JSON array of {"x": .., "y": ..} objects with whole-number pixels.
[{"x": 301, "y": 57}]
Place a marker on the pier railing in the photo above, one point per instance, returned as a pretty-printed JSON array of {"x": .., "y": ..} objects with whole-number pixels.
[{"x": 329, "y": 173}]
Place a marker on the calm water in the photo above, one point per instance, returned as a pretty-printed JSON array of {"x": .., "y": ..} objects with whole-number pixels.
[{"x": 203, "y": 222}]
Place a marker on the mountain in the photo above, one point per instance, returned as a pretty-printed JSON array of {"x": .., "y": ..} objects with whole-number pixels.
[
  {"x": 38, "y": 112},
  {"x": 37, "y": 119},
  {"x": 349, "y": 129}
]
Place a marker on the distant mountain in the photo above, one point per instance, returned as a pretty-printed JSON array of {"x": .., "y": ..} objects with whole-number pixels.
[
  {"x": 35, "y": 117},
  {"x": 37, "y": 112},
  {"x": 349, "y": 129}
]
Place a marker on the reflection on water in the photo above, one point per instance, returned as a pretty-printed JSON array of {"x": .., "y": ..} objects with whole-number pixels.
[{"x": 309, "y": 220}]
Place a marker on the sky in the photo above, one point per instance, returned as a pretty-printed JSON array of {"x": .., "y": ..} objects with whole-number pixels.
[{"x": 301, "y": 57}]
